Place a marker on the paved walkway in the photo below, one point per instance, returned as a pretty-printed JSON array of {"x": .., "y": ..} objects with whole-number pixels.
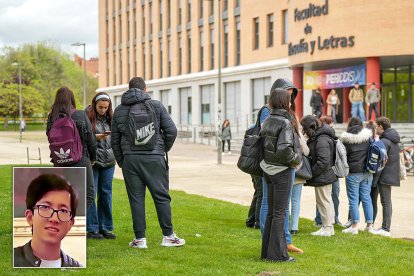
[{"x": 194, "y": 169}]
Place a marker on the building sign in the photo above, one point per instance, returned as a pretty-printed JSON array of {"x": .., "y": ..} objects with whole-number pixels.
[
  {"x": 335, "y": 78},
  {"x": 321, "y": 43}
]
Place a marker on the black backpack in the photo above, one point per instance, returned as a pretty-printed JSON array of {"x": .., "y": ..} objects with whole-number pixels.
[
  {"x": 143, "y": 128},
  {"x": 252, "y": 151}
]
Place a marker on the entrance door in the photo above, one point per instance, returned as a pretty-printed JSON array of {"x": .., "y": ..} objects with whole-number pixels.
[
  {"x": 403, "y": 98},
  {"x": 387, "y": 101},
  {"x": 339, "y": 116}
]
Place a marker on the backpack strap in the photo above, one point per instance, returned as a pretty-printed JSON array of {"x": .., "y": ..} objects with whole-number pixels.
[{"x": 259, "y": 114}]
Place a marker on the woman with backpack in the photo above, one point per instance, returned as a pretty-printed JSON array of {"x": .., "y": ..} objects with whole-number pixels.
[
  {"x": 358, "y": 182},
  {"x": 281, "y": 156},
  {"x": 322, "y": 147},
  {"x": 99, "y": 221},
  {"x": 84, "y": 142}
]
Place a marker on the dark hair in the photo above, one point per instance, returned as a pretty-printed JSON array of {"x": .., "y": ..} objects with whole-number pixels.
[
  {"x": 310, "y": 124},
  {"x": 354, "y": 121},
  {"x": 384, "y": 122},
  {"x": 137, "y": 82},
  {"x": 372, "y": 125},
  {"x": 279, "y": 99},
  {"x": 63, "y": 104},
  {"x": 46, "y": 183},
  {"x": 92, "y": 114},
  {"x": 326, "y": 119},
  {"x": 222, "y": 126}
]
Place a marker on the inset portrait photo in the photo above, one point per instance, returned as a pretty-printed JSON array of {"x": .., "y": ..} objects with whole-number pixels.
[{"x": 49, "y": 217}]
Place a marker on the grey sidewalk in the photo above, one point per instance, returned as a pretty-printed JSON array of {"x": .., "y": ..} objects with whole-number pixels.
[{"x": 194, "y": 169}]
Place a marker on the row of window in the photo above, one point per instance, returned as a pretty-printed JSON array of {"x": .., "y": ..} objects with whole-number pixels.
[
  {"x": 207, "y": 105},
  {"x": 270, "y": 30}
]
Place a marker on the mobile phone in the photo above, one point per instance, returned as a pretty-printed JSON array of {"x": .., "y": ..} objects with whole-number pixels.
[{"x": 107, "y": 132}]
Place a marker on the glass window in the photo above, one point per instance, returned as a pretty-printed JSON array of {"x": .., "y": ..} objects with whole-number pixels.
[
  {"x": 207, "y": 104},
  {"x": 180, "y": 55},
  {"x": 151, "y": 62},
  {"x": 150, "y": 14},
  {"x": 211, "y": 7},
  {"x": 270, "y": 30},
  {"x": 226, "y": 44},
  {"x": 284, "y": 26},
  {"x": 169, "y": 56},
  {"x": 225, "y": 5},
  {"x": 179, "y": 12},
  {"x": 201, "y": 51},
  {"x": 211, "y": 46},
  {"x": 256, "y": 33},
  {"x": 388, "y": 75},
  {"x": 201, "y": 5},
  {"x": 403, "y": 74},
  {"x": 237, "y": 40},
  {"x": 143, "y": 20},
  {"x": 188, "y": 53},
  {"x": 160, "y": 23},
  {"x": 169, "y": 14},
  {"x": 189, "y": 11},
  {"x": 160, "y": 60}
]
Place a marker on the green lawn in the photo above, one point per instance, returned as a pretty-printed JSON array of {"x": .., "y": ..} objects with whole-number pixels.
[
  {"x": 225, "y": 247},
  {"x": 29, "y": 127}
]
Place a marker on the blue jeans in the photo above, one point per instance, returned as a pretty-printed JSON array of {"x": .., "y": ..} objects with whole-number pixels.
[
  {"x": 100, "y": 217},
  {"x": 335, "y": 200},
  {"x": 357, "y": 110},
  {"x": 358, "y": 186},
  {"x": 295, "y": 210},
  {"x": 265, "y": 208}
]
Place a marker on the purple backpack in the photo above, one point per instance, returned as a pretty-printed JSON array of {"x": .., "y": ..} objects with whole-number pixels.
[{"x": 64, "y": 142}]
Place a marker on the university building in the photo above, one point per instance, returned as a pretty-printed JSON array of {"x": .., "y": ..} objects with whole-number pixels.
[{"x": 176, "y": 46}]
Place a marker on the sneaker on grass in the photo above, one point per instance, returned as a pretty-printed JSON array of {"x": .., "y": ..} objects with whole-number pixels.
[
  {"x": 139, "y": 243},
  {"x": 347, "y": 224},
  {"x": 172, "y": 241},
  {"x": 382, "y": 232},
  {"x": 370, "y": 229},
  {"x": 351, "y": 230},
  {"x": 324, "y": 232}
]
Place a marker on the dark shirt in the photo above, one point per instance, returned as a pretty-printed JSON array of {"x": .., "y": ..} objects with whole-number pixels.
[{"x": 24, "y": 257}]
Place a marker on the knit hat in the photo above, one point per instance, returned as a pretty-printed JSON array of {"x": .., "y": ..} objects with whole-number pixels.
[{"x": 285, "y": 84}]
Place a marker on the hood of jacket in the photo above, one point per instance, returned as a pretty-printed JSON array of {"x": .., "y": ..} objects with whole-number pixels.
[
  {"x": 134, "y": 96},
  {"x": 325, "y": 130},
  {"x": 392, "y": 135},
  {"x": 356, "y": 135},
  {"x": 281, "y": 112}
]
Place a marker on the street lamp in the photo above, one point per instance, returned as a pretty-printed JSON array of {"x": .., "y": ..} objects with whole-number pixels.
[
  {"x": 219, "y": 154},
  {"x": 20, "y": 96},
  {"x": 84, "y": 71}
]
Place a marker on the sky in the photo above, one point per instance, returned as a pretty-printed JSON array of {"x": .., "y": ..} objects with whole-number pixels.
[{"x": 59, "y": 22}]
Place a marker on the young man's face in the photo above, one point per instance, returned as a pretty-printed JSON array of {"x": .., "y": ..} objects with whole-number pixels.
[
  {"x": 50, "y": 230},
  {"x": 380, "y": 130}
]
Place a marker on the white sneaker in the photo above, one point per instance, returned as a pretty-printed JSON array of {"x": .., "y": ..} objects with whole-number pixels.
[
  {"x": 229, "y": 152},
  {"x": 347, "y": 224},
  {"x": 370, "y": 229},
  {"x": 324, "y": 232},
  {"x": 172, "y": 240},
  {"x": 382, "y": 232},
  {"x": 139, "y": 243},
  {"x": 351, "y": 230}
]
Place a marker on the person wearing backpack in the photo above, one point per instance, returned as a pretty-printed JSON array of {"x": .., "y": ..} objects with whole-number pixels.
[
  {"x": 357, "y": 141},
  {"x": 264, "y": 114},
  {"x": 281, "y": 156},
  {"x": 82, "y": 151},
  {"x": 322, "y": 147},
  {"x": 389, "y": 176},
  {"x": 142, "y": 133},
  {"x": 99, "y": 221}
]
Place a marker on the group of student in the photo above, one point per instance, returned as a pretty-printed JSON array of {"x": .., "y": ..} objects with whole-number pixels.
[
  {"x": 284, "y": 143},
  {"x": 136, "y": 136}
]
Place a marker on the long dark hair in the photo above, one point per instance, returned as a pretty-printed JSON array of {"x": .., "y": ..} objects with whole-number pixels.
[
  {"x": 63, "y": 104},
  {"x": 310, "y": 124},
  {"x": 279, "y": 99},
  {"x": 354, "y": 121},
  {"x": 92, "y": 114},
  {"x": 223, "y": 126}
]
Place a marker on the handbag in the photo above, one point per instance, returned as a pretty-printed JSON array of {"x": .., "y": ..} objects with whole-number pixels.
[{"x": 304, "y": 171}]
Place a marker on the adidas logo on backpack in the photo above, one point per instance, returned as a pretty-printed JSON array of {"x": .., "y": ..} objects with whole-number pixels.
[{"x": 377, "y": 156}]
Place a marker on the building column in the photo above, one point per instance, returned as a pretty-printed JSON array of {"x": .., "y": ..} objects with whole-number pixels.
[
  {"x": 298, "y": 81},
  {"x": 373, "y": 75},
  {"x": 324, "y": 94},
  {"x": 346, "y": 104}
]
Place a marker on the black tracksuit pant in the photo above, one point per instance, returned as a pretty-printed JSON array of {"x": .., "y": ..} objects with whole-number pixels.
[{"x": 140, "y": 172}]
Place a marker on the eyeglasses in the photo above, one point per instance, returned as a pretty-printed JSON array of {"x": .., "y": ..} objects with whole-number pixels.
[{"x": 47, "y": 212}]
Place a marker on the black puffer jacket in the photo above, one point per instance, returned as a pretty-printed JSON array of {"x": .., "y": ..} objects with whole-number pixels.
[
  {"x": 281, "y": 143},
  {"x": 85, "y": 132},
  {"x": 104, "y": 155},
  {"x": 390, "y": 175},
  {"x": 322, "y": 148},
  {"x": 356, "y": 141},
  {"x": 119, "y": 141}
]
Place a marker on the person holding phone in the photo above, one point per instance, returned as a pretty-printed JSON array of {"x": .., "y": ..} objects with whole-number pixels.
[{"x": 99, "y": 223}]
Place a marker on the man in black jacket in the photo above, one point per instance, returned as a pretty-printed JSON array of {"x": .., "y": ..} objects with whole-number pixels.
[
  {"x": 389, "y": 176},
  {"x": 144, "y": 165}
]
